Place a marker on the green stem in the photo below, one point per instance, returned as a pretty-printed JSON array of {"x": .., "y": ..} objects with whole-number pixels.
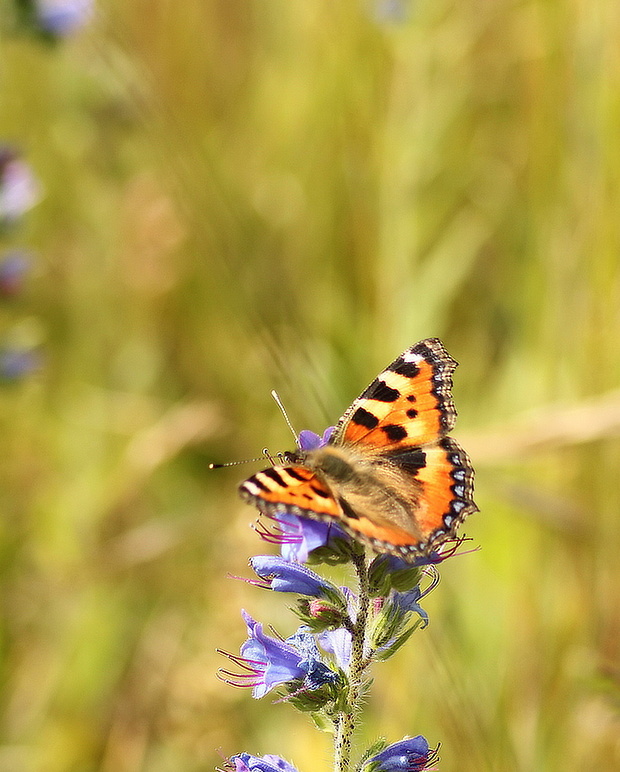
[{"x": 347, "y": 720}]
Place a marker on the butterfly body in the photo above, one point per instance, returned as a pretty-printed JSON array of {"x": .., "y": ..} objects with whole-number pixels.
[{"x": 389, "y": 475}]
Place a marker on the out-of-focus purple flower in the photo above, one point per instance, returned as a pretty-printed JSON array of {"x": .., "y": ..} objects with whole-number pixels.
[
  {"x": 62, "y": 17},
  {"x": 13, "y": 268},
  {"x": 283, "y": 576},
  {"x": 245, "y": 762},
  {"x": 394, "y": 11},
  {"x": 409, "y": 755},
  {"x": 269, "y": 662},
  {"x": 310, "y": 441},
  {"x": 19, "y": 190},
  {"x": 17, "y": 363}
]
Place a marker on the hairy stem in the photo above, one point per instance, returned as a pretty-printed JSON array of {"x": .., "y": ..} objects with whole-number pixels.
[{"x": 347, "y": 720}]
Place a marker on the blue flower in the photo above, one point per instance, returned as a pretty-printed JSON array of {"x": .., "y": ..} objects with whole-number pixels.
[
  {"x": 62, "y": 17},
  {"x": 283, "y": 576},
  {"x": 317, "y": 672},
  {"x": 299, "y": 536},
  {"x": 274, "y": 661},
  {"x": 388, "y": 572},
  {"x": 392, "y": 563},
  {"x": 269, "y": 662},
  {"x": 338, "y": 642},
  {"x": 408, "y": 601},
  {"x": 409, "y": 755},
  {"x": 245, "y": 762},
  {"x": 308, "y": 440},
  {"x": 19, "y": 190}
]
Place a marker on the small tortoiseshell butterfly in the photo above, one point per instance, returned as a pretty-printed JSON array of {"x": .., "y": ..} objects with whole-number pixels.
[{"x": 389, "y": 474}]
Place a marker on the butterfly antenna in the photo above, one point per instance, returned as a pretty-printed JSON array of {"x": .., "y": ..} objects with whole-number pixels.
[
  {"x": 278, "y": 402},
  {"x": 266, "y": 455}
]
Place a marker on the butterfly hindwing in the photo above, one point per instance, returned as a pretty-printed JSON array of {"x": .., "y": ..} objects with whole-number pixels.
[
  {"x": 409, "y": 403},
  {"x": 408, "y": 501},
  {"x": 446, "y": 479}
]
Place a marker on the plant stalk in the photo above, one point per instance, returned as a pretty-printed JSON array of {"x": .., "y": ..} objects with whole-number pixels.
[{"x": 347, "y": 720}]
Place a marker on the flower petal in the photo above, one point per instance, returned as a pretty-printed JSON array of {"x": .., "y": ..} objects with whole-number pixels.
[
  {"x": 287, "y": 576},
  {"x": 407, "y": 755},
  {"x": 245, "y": 762},
  {"x": 337, "y": 643}
]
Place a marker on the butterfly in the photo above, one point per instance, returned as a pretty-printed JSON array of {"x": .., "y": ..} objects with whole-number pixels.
[{"x": 389, "y": 474}]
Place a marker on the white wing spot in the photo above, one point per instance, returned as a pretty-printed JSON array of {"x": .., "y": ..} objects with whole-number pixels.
[
  {"x": 408, "y": 356},
  {"x": 250, "y": 487}
]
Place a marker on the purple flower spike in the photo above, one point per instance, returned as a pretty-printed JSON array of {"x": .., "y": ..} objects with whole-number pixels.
[
  {"x": 245, "y": 762},
  {"x": 283, "y": 576},
  {"x": 409, "y": 755},
  {"x": 62, "y": 17}
]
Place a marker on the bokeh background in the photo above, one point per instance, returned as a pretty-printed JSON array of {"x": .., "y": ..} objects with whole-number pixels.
[{"x": 240, "y": 195}]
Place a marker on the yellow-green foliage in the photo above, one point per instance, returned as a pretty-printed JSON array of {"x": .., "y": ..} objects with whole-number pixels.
[{"x": 242, "y": 195}]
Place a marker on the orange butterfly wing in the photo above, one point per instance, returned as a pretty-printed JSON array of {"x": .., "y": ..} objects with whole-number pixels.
[
  {"x": 409, "y": 403},
  {"x": 293, "y": 489},
  {"x": 447, "y": 487}
]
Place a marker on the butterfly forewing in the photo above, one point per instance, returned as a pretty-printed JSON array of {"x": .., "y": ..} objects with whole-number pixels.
[
  {"x": 289, "y": 489},
  {"x": 409, "y": 403}
]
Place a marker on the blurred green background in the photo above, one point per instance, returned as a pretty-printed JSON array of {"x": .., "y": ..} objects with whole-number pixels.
[{"x": 244, "y": 195}]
